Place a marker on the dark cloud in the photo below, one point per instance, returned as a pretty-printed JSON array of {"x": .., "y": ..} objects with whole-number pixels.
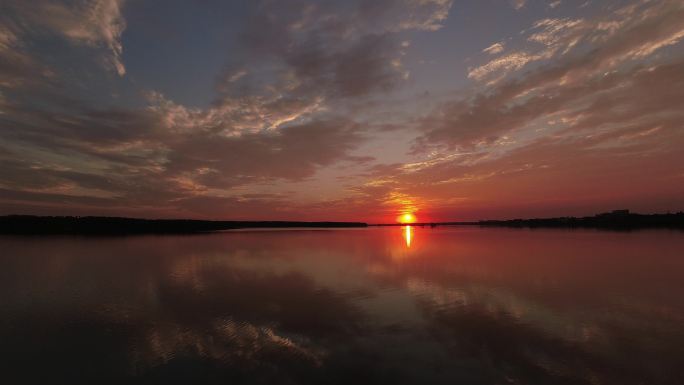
[
  {"x": 191, "y": 164},
  {"x": 18, "y": 68},
  {"x": 292, "y": 152},
  {"x": 330, "y": 50},
  {"x": 93, "y": 23}
]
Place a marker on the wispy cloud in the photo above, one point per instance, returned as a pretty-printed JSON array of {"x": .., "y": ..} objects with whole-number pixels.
[
  {"x": 95, "y": 23},
  {"x": 494, "y": 48},
  {"x": 627, "y": 33},
  {"x": 518, "y": 4}
]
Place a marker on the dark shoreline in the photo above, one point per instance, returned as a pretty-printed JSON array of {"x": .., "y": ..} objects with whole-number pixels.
[
  {"x": 618, "y": 220},
  {"x": 54, "y": 225},
  {"x": 615, "y": 220},
  {"x": 48, "y": 225}
]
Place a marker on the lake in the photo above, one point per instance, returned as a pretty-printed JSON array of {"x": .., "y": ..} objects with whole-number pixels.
[{"x": 391, "y": 305}]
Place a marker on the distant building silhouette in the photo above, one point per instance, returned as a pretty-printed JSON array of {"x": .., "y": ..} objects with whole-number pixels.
[{"x": 616, "y": 212}]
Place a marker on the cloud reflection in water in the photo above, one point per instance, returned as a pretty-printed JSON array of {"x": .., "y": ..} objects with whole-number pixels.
[{"x": 470, "y": 305}]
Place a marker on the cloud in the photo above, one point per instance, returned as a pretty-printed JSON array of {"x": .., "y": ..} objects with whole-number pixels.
[
  {"x": 554, "y": 35},
  {"x": 519, "y": 105},
  {"x": 518, "y": 4},
  {"x": 97, "y": 23},
  {"x": 17, "y": 67},
  {"x": 398, "y": 15},
  {"x": 629, "y": 33},
  {"x": 293, "y": 152},
  {"x": 580, "y": 121},
  {"x": 308, "y": 58},
  {"x": 277, "y": 115},
  {"x": 305, "y": 95},
  {"x": 160, "y": 156},
  {"x": 94, "y": 23},
  {"x": 566, "y": 85},
  {"x": 504, "y": 64},
  {"x": 329, "y": 51},
  {"x": 494, "y": 48},
  {"x": 234, "y": 115},
  {"x": 554, "y": 32}
]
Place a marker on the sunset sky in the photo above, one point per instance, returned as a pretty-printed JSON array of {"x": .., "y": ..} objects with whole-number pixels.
[{"x": 341, "y": 110}]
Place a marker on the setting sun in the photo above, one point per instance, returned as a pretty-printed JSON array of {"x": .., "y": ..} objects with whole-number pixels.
[{"x": 406, "y": 218}]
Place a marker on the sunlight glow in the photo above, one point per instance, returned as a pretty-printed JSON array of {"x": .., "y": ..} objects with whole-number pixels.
[{"x": 406, "y": 218}]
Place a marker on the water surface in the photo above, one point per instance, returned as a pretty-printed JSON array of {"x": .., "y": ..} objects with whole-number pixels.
[{"x": 378, "y": 305}]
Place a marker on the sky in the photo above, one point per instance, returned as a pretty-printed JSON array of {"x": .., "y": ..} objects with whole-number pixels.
[{"x": 341, "y": 110}]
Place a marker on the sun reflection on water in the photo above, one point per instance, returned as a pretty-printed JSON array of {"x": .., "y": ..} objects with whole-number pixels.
[{"x": 408, "y": 233}]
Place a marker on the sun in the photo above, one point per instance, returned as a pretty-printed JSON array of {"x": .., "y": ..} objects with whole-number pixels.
[{"x": 406, "y": 218}]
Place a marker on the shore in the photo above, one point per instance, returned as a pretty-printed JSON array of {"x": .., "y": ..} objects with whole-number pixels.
[
  {"x": 38, "y": 225},
  {"x": 45, "y": 225}
]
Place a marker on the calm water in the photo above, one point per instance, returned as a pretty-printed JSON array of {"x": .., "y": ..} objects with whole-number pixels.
[{"x": 450, "y": 305}]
